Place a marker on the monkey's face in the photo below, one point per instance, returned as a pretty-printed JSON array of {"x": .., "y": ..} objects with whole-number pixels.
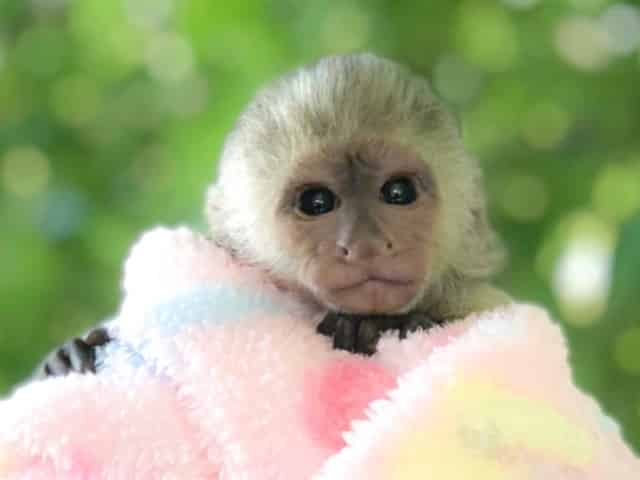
[{"x": 358, "y": 222}]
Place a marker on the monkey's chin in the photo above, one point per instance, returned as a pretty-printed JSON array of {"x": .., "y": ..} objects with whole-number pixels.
[{"x": 373, "y": 297}]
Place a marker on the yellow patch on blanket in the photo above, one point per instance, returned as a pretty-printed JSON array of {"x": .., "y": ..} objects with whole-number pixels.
[{"x": 499, "y": 434}]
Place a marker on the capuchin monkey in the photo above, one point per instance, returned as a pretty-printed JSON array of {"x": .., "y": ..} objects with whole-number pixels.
[{"x": 347, "y": 181}]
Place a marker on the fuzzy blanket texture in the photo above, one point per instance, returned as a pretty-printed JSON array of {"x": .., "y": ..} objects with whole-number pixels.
[{"x": 216, "y": 374}]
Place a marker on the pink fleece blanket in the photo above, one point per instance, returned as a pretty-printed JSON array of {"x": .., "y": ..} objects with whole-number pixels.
[{"x": 217, "y": 375}]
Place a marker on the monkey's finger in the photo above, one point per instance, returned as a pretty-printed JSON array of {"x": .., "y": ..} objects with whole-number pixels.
[
  {"x": 404, "y": 331},
  {"x": 97, "y": 337},
  {"x": 368, "y": 336},
  {"x": 59, "y": 363},
  {"x": 345, "y": 336},
  {"x": 327, "y": 326},
  {"x": 81, "y": 355}
]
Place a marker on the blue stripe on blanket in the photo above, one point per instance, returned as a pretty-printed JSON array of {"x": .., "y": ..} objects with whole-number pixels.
[
  {"x": 201, "y": 306},
  {"x": 209, "y": 305}
]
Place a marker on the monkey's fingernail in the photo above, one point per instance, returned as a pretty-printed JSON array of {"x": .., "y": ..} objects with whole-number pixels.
[
  {"x": 368, "y": 336},
  {"x": 402, "y": 333}
]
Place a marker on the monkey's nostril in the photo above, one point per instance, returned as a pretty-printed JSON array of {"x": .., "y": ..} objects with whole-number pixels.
[
  {"x": 342, "y": 251},
  {"x": 389, "y": 246}
]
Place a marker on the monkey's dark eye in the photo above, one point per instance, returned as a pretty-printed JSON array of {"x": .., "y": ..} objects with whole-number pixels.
[
  {"x": 316, "y": 201},
  {"x": 399, "y": 191}
]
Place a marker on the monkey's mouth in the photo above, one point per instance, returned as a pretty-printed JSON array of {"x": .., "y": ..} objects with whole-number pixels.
[
  {"x": 388, "y": 279},
  {"x": 374, "y": 294},
  {"x": 371, "y": 276},
  {"x": 374, "y": 283},
  {"x": 375, "y": 280}
]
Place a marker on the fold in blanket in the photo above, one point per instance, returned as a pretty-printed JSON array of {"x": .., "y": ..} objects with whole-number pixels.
[{"x": 217, "y": 374}]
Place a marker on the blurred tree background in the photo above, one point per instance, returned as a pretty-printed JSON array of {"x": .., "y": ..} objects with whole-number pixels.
[{"x": 112, "y": 114}]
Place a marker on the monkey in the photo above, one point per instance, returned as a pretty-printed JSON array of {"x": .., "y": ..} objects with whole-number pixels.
[{"x": 348, "y": 182}]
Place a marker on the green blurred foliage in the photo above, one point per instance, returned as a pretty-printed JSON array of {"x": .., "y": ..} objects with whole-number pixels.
[{"x": 112, "y": 114}]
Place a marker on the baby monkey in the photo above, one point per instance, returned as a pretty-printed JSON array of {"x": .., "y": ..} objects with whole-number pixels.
[{"x": 347, "y": 181}]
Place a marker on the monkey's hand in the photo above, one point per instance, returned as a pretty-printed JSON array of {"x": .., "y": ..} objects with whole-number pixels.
[
  {"x": 353, "y": 333},
  {"x": 360, "y": 333},
  {"x": 78, "y": 355}
]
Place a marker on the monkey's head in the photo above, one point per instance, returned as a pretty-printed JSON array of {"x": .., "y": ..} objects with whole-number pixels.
[{"x": 349, "y": 179}]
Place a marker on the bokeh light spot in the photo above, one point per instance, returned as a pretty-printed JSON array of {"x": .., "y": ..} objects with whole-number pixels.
[
  {"x": 456, "y": 80},
  {"x": 582, "y": 272},
  {"x": 588, "y": 5},
  {"x": 583, "y": 43},
  {"x": 626, "y": 350},
  {"x": 76, "y": 100},
  {"x": 545, "y": 126},
  {"x": 622, "y": 24},
  {"x": 169, "y": 58},
  {"x": 524, "y": 197},
  {"x": 61, "y": 214},
  {"x": 107, "y": 45},
  {"x": 148, "y": 14},
  {"x": 25, "y": 171},
  {"x": 186, "y": 98},
  {"x": 521, "y": 4},
  {"x": 346, "y": 28},
  {"x": 487, "y": 36},
  {"x": 616, "y": 192},
  {"x": 491, "y": 122}
]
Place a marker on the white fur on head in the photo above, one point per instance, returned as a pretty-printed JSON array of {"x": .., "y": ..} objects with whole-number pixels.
[{"x": 343, "y": 99}]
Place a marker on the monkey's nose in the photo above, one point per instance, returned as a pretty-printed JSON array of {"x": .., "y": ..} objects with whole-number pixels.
[{"x": 364, "y": 249}]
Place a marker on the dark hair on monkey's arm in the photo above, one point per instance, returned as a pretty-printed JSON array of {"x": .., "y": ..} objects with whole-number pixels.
[{"x": 78, "y": 355}]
